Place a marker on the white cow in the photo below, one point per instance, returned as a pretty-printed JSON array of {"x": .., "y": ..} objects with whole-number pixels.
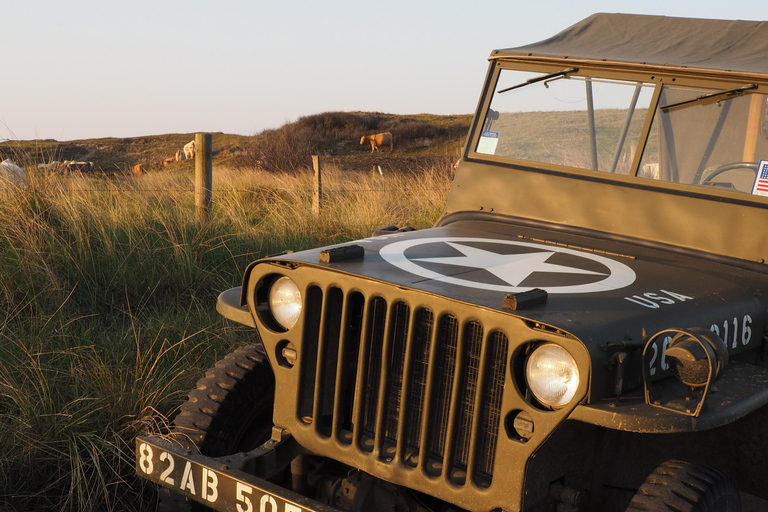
[
  {"x": 189, "y": 149},
  {"x": 12, "y": 173},
  {"x": 72, "y": 165}
]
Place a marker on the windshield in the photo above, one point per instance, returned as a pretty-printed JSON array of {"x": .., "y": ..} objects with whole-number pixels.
[
  {"x": 566, "y": 120},
  {"x": 718, "y": 142},
  {"x": 699, "y": 136}
]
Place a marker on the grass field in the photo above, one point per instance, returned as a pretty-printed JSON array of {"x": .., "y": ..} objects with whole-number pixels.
[{"x": 108, "y": 289}]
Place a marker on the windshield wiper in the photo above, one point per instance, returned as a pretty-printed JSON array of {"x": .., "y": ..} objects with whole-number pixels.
[
  {"x": 731, "y": 93},
  {"x": 558, "y": 74}
]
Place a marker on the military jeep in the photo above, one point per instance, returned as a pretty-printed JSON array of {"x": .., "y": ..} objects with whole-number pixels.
[{"x": 584, "y": 328}]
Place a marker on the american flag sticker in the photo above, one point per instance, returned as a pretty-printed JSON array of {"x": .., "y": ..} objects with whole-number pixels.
[{"x": 760, "y": 188}]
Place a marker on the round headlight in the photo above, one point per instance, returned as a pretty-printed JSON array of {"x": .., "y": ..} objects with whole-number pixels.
[
  {"x": 285, "y": 302},
  {"x": 552, "y": 375}
]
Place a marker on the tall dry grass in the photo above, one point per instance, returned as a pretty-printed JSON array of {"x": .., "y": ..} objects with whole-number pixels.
[{"x": 107, "y": 302}]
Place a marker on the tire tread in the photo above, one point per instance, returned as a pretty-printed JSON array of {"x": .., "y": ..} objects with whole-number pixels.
[
  {"x": 683, "y": 486},
  {"x": 241, "y": 386}
]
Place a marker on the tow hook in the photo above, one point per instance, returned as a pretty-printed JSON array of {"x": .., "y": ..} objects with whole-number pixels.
[{"x": 568, "y": 500}]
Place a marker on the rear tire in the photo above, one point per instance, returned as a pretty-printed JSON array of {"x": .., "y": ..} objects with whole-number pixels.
[
  {"x": 684, "y": 486},
  {"x": 229, "y": 411}
]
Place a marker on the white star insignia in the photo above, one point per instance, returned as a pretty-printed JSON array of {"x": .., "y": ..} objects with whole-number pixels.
[{"x": 513, "y": 269}]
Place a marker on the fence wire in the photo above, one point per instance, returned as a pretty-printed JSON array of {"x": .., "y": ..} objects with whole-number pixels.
[{"x": 263, "y": 189}]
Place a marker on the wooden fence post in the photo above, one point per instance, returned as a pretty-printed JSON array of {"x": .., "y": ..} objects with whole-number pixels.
[
  {"x": 203, "y": 176},
  {"x": 317, "y": 193}
]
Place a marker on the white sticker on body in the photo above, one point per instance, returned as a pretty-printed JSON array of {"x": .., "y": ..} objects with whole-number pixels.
[{"x": 488, "y": 143}]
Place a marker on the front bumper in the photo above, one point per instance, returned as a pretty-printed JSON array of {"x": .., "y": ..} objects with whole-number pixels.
[{"x": 212, "y": 483}]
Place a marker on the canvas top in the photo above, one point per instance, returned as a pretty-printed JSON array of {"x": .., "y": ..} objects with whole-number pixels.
[{"x": 653, "y": 41}]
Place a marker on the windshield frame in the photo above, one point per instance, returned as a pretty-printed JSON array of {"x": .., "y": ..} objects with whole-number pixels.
[
  {"x": 582, "y": 73},
  {"x": 658, "y": 80}
]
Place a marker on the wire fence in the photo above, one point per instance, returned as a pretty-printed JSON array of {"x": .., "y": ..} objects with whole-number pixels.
[
  {"x": 342, "y": 182},
  {"x": 278, "y": 189}
]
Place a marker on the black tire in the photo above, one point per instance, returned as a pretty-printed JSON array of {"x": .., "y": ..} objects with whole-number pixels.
[
  {"x": 683, "y": 486},
  {"x": 229, "y": 411}
]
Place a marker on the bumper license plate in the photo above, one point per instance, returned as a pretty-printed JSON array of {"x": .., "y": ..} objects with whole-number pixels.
[{"x": 208, "y": 482}]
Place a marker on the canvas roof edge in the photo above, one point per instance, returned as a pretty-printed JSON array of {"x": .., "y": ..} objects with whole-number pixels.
[{"x": 655, "y": 43}]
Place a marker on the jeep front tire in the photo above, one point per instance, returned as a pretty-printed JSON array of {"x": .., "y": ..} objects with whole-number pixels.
[{"x": 687, "y": 487}]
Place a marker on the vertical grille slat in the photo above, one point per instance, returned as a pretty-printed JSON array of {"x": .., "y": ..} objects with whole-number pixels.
[
  {"x": 327, "y": 359},
  {"x": 307, "y": 396},
  {"x": 445, "y": 366},
  {"x": 375, "y": 336},
  {"x": 406, "y": 385},
  {"x": 457, "y": 389},
  {"x": 349, "y": 344},
  {"x": 388, "y": 394},
  {"x": 358, "y": 407},
  {"x": 317, "y": 412},
  {"x": 418, "y": 389},
  {"x": 412, "y": 390},
  {"x": 490, "y": 415},
  {"x": 400, "y": 321},
  {"x": 473, "y": 339},
  {"x": 429, "y": 378}
]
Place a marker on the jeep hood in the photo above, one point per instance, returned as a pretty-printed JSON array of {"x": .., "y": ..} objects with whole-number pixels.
[{"x": 597, "y": 290}]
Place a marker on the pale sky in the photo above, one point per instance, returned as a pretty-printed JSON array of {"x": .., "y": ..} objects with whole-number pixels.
[{"x": 98, "y": 68}]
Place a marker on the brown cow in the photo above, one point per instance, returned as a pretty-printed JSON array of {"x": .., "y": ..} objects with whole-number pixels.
[
  {"x": 168, "y": 161},
  {"x": 377, "y": 140},
  {"x": 138, "y": 169}
]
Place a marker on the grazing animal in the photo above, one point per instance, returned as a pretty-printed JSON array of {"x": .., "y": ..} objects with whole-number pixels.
[
  {"x": 13, "y": 173},
  {"x": 138, "y": 169},
  {"x": 168, "y": 161},
  {"x": 189, "y": 149},
  {"x": 378, "y": 139},
  {"x": 71, "y": 165},
  {"x": 180, "y": 155}
]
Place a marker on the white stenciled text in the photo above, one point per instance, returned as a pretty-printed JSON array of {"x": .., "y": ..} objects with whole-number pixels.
[
  {"x": 655, "y": 300},
  {"x": 204, "y": 483}
]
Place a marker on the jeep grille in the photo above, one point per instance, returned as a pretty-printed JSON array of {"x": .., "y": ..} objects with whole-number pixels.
[{"x": 403, "y": 384}]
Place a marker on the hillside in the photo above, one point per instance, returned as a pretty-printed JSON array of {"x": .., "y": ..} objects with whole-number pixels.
[{"x": 419, "y": 140}]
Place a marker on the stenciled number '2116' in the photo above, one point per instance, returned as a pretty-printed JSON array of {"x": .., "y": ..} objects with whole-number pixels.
[{"x": 733, "y": 332}]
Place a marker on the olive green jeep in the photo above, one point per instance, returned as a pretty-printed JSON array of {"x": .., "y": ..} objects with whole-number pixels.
[{"x": 584, "y": 328}]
